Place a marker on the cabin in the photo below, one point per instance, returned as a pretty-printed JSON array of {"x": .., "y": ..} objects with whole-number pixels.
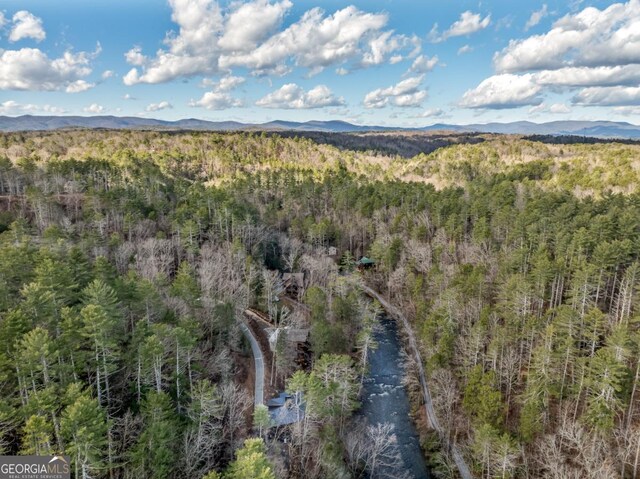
[
  {"x": 293, "y": 284},
  {"x": 292, "y": 335},
  {"x": 286, "y": 409},
  {"x": 365, "y": 263}
]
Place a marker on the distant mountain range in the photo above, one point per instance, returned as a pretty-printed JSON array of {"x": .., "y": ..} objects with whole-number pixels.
[{"x": 598, "y": 129}]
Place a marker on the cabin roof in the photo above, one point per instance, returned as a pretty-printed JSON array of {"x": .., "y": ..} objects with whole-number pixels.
[
  {"x": 365, "y": 260},
  {"x": 278, "y": 401}
]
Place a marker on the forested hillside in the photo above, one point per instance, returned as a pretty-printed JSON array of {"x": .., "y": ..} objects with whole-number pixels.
[{"x": 127, "y": 259}]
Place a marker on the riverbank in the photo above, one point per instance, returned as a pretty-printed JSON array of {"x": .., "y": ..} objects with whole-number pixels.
[
  {"x": 394, "y": 312},
  {"x": 385, "y": 400}
]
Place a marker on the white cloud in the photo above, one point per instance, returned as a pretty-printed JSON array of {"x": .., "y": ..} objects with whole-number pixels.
[
  {"x": 342, "y": 71},
  {"x": 31, "y": 69},
  {"x": 591, "y": 37},
  {"x": 213, "y": 39},
  {"x": 536, "y": 17},
  {"x": 627, "y": 110},
  {"x": 163, "y": 105},
  {"x": 423, "y": 64},
  {"x": 79, "y": 86},
  {"x": 407, "y": 93},
  {"x": 503, "y": 91},
  {"x": 559, "y": 108},
  {"x": 597, "y": 50},
  {"x": 590, "y": 76},
  {"x": 556, "y": 108},
  {"x": 465, "y": 49},
  {"x": 217, "y": 100},
  {"x": 94, "y": 108},
  {"x": 608, "y": 96},
  {"x": 128, "y": 97},
  {"x": 228, "y": 83},
  {"x": 3, "y": 20},
  {"x": 107, "y": 74},
  {"x": 432, "y": 113},
  {"x": 251, "y": 23},
  {"x": 11, "y": 107},
  {"x": 292, "y": 96},
  {"x": 192, "y": 51},
  {"x": 135, "y": 57},
  {"x": 384, "y": 44},
  {"x": 564, "y": 78},
  {"x": 314, "y": 42},
  {"x": 468, "y": 23},
  {"x": 26, "y": 25}
]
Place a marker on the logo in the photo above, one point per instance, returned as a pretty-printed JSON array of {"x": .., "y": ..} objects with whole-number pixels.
[{"x": 35, "y": 467}]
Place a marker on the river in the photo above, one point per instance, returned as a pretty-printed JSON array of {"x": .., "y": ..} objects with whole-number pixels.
[{"x": 384, "y": 399}]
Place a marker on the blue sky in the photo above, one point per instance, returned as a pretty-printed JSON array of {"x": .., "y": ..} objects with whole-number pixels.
[{"x": 385, "y": 62}]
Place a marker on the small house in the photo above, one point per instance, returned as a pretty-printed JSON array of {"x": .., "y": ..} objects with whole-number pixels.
[
  {"x": 286, "y": 409},
  {"x": 292, "y": 335},
  {"x": 293, "y": 284},
  {"x": 365, "y": 263}
]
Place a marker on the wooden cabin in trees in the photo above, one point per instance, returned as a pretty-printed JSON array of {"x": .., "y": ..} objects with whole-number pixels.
[
  {"x": 293, "y": 285},
  {"x": 365, "y": 263}
]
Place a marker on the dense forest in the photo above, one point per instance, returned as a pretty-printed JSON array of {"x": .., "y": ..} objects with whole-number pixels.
[{"x": 127, "y": 259}]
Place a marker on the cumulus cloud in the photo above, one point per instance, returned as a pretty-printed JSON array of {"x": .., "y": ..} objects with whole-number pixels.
[
  {"x": 292, "y": 96},
  {"x": 315, "y": 41},
  {"x": 590, "y": 76},
  {"x": 128, "y": 97},
  {"x": 11, "y": 107},
  {"x": 228, "y": 83},
  {"x": 597, "y": 51},
  {"x": 163, "y": 105},
  {"x": 79, "y": 86},
  {"x": 251, "y": 23},
  {"x": 407, "y": 93},
  {"x": 503, "y": 91},
  {"x": 212, "y": 39},
  {"x": 536, "y": 17},
  {"x": 219, "y": 98},
  {"x": 465, "y": 49},
  {"x": 608, "y": 96},
  {"x": 192, "y": 51},
  {"x": 556, "y": 108},
  {"x": 627, "y": 110},
  {"x": 107, "y": 74},
  {"x": 432, "y": 113},
  {"x": 566, "y": 77},
  {"x": 31, "y": 69},
  {"x": 468, "y": 23},
  {"x": 135, "y": 57},
  {"x": 423, "y": 64},
  {"x": 26, "y": 25},
  {"x": 386, "y": 43},
  {"x": 94, "y": 108},
  {"x": 590, "y": 38}
]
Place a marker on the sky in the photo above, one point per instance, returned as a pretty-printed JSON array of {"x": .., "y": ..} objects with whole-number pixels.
[{"x": 370, "y": 62}]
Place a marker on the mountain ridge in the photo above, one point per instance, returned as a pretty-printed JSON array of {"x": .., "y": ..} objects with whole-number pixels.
[{"x": 597, "y": 129}]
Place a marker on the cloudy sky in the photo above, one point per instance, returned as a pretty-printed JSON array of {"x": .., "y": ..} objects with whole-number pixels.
[{"x": 386, "y": 62}]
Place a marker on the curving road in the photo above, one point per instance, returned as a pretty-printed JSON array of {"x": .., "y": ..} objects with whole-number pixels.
[
  {"x": 259, "y": 360},
  {"x": 394, "y": 312}
]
